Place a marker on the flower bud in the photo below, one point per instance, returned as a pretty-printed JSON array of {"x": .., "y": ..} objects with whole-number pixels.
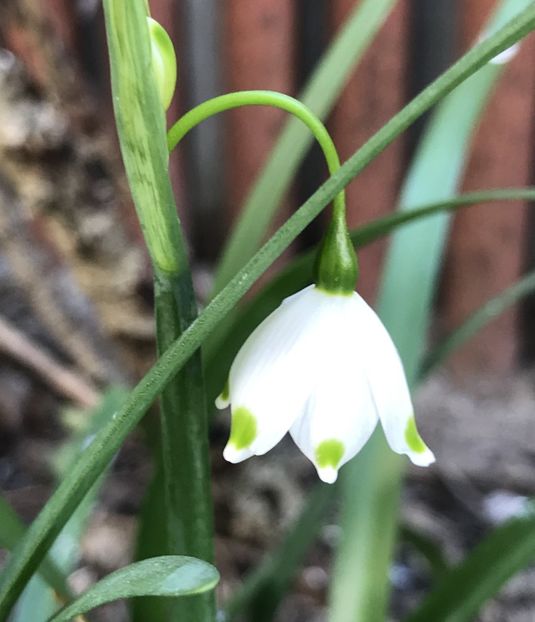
[{"x": 163, "y": 61}]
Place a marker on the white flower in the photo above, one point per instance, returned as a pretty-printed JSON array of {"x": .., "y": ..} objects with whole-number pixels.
[{"x": 323, "y": 367}]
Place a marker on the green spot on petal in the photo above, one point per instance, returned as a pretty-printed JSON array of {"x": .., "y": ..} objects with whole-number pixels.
[
  {"x": 413, "y": 438},
  {"x": 329, "y": 453},
  {"x": 242, "y": 428}
]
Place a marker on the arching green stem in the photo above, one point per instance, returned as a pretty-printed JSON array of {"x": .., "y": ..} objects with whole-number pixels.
[{"x": 229, "y": 101}]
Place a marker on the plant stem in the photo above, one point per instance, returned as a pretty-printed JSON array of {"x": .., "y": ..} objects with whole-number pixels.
[
  {"x": 273, "y": 99},
  {"x": 186, "y": 469},
  {"x": 187, "y": 520}
]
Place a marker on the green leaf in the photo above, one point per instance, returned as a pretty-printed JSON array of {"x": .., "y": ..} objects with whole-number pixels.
[
  {"x": 485, "y": 314},
  {"x": 141, "y": 128},
  {"x": 427, "y": 548},
  {"x": 466, "y": 587},
  {"x": 38, "y": 601},
  {"x": 172, "y": 575},
  {"x": 265, "y": 587},
  {"x": 41, "y": 594},
  {"x": 151, "y": 540},
  {"x": 320, "y": 95},
  {"x": 298, "y": 273},
  {"x": 373, "y": 480},
  {"x": 93, "y": 461},
  {"x": 12, "y": 529}
]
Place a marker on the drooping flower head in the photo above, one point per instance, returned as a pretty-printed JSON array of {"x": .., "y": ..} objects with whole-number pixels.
[{"x": 323, "y": 367}]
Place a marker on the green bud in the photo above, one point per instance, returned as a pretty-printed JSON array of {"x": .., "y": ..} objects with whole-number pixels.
[
  {"x": 163, "y": 61},
  {"x": 336, "y": 269}
]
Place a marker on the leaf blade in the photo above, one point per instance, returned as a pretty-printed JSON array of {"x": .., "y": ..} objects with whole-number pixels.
[
  {"x": 167, "y": 576},
  {"x": 466, "y": 587}
]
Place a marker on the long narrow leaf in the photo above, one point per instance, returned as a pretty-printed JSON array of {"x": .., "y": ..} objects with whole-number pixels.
[
  {"x": 427, "y": 548},
  {"x": 172, "y": 575},
  {"x": 12, "y": 529},
  {"x": 38, "y": 601},
  {"x": 485, "y": 314},
  {"x": 264, "y": 589},
  {"x": 94, "y": 460},
  {"x": 465, "y": 588}
]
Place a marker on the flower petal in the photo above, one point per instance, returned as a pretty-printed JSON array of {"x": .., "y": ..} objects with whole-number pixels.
[
  {"x": 340, "y": 413},
  {"x": 273, "y": 372},
  {"x": 388, "y": 385}
]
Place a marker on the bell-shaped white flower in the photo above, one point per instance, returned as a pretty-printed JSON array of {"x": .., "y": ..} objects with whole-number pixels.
[{"x": 323, "y": 367}]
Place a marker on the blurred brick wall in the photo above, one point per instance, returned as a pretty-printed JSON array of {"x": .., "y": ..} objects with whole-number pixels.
[
  {"x": 488, "y": 243},
  {"x": 258, "y": 50}
]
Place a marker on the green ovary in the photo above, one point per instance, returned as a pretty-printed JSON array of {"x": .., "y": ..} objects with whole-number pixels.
[
  {"x": 329, "y": 453},
  {"x": 243, "y": 428},
  {"x": 413, "y": 438}
]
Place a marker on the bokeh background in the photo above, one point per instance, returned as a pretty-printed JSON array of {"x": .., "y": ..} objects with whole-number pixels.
[{"x": 75, "y": 283}]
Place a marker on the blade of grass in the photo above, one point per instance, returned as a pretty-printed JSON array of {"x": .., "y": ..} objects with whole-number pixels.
[
  {"x": 172, "y": 575},
  {"x": 298, "y": 273},
  {"x": 150, "y": 540},
  {"x": 41, "y": 598},
  {"x": 12, "y": 529},
  {"x": 485, "y": 314},
  {"x": 372, "y": 481},
  {"x": 466, "y": 587},
  {"x": 427, "y": 548},
  {"x": 97, "y": 455},
  {"x": 264, "y": 588},
  {"x": 187, "y": 520},
  {"x": 320, "y": 95}
]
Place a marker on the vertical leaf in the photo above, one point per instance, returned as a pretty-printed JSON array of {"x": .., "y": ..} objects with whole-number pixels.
[{"x": 141, "y": 125}]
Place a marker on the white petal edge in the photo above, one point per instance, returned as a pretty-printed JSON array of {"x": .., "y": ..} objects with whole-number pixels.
[
  {"x": 233, "y": 455},
  {"x": 340, "y": 407},
  {"x": 388, "y": 385}
]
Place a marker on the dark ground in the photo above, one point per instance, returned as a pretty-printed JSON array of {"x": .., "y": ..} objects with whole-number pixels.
[{"x": 483, "y": 440}]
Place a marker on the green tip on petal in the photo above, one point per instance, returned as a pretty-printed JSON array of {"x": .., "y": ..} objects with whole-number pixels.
[
  {"x": 413, "y": 438},
  {"x": 163, "y": 61},
  {"x": 242, "y": 429},
  {"x": 328, "y": 456}
]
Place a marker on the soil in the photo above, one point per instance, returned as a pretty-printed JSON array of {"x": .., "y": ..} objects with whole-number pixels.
[{"x": 481, "y": 438}]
